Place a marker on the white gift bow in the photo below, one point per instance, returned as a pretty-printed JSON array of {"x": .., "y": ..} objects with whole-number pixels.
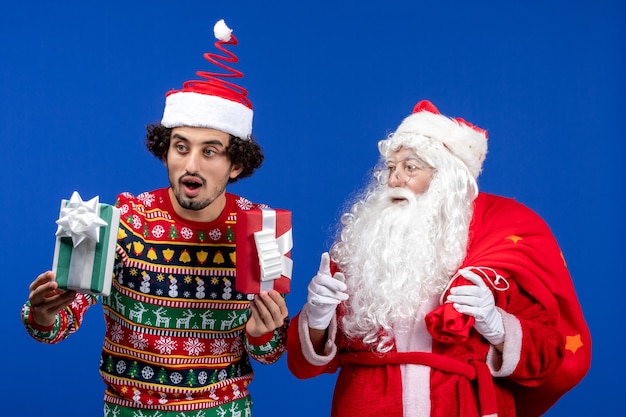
[
  {"x": 272, "y": 250},
  {"x": 80, "y": 220}
]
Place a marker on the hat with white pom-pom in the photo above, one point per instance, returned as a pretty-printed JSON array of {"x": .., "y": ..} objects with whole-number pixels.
[
  {"x": 463, "y": 139},
  {"x": 212, "y": 102}
]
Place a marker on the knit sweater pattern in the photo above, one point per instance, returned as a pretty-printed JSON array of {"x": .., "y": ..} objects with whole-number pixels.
[{"x": 175, "y": 326}]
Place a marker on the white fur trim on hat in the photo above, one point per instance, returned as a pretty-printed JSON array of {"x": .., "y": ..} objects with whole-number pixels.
[
  {"x": 202, "y": 110},
  {"x": 466, "y": 143}
]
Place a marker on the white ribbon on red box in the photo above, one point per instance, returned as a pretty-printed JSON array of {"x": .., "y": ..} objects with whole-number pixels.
[{"x": 272, "y": 250}]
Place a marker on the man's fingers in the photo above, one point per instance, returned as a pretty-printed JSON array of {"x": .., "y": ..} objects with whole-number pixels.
[
  {"x": 272, "y": 301},
  {"x": 278, "y": 299},
  {"x": 269, "y": 310},
  {"x": 255, "y": 316},
  {"x": 42, "y": 279},
  {"x": 53, "y": 301}
]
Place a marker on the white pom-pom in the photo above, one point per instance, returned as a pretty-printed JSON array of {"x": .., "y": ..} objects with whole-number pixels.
[{"x": 221, "y": 31}]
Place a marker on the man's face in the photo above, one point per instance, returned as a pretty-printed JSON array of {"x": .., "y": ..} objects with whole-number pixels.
[
  {"x": 406, "y": 169},
  {"x": 198, "y": 168}
]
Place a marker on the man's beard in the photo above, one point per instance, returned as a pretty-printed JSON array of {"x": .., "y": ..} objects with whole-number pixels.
[
  {"x": 196, "y": 205},
  {"x": 395, "y": 256}
]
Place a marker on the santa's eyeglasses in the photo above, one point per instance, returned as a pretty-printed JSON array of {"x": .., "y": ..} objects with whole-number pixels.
[{"x": 407, "y": 169}]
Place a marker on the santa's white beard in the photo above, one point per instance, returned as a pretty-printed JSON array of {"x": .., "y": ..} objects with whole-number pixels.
[{"x": 395, "y": 256}]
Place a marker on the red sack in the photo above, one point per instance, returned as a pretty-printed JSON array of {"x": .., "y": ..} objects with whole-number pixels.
[
  {"x": 512, "y": 239},
  {"x": 447, "y": 325}
]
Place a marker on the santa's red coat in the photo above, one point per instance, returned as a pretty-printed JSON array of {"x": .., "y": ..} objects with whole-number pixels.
[{"x": 547, "y": 346}]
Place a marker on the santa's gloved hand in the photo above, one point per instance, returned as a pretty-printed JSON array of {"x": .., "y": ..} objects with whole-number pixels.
[
  {"x": 325, "y": 293},
  {"x": 478, "y": 302}
]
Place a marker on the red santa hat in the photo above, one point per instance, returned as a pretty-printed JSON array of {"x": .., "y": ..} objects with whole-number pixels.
[
  {"x": 212, "y": 102},
  {"x": 463, "y": 139}
]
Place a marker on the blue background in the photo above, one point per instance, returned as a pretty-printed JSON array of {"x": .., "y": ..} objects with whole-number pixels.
[{"x": 328, "y": 79}]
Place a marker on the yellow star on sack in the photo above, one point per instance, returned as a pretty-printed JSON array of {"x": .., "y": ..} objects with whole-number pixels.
[
  {"x": 573, "y": 343},
  {"x": 514, "y": 238}
]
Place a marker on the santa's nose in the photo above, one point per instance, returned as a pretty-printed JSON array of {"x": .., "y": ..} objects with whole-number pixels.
[{"x": 397, "y": 180}]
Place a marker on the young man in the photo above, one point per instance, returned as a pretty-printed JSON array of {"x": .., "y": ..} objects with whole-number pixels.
[
  {"x": 438, "y": 300},
  {"x": 178, "y": 336}
]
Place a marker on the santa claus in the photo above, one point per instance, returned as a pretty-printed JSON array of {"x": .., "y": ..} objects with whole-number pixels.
[{"x": 437, "y": 299}]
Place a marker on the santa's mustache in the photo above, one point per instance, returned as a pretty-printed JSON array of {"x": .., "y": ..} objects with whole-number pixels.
[{"x": 387, "y": 196}]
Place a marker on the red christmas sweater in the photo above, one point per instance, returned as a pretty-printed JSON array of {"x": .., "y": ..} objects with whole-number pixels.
[
  {"x": 546, "y": 350},
  {"x": 175, "y": 326}
]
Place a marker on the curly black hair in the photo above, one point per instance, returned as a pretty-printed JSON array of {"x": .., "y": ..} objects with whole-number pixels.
[{"x": 247, "y": 153}]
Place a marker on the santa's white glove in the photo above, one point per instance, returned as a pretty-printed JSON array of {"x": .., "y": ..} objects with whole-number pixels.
[
  {"x": 478, "y": 302},
  {"x": 325, "y": 293}
]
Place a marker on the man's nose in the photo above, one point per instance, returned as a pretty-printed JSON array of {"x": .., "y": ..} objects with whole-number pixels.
[{"x": 192, "y": 162}]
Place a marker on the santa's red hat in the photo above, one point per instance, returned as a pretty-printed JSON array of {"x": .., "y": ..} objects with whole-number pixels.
[
  {"x": 212, "y": 102},
  {"x": 463, "y": 139}
]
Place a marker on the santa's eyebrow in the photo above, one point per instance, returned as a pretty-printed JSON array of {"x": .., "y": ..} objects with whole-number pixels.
[{"x": 407, "y": 158}]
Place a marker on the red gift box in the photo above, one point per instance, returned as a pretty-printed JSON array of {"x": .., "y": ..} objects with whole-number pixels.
[{"x": 253, "y": 227}]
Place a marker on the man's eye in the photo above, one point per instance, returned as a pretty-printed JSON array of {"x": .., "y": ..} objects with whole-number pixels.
[
  {"x": 411, "y": 168},
  {"x": 210, "y": 152},
  {"x": 181, "y": 148}
]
